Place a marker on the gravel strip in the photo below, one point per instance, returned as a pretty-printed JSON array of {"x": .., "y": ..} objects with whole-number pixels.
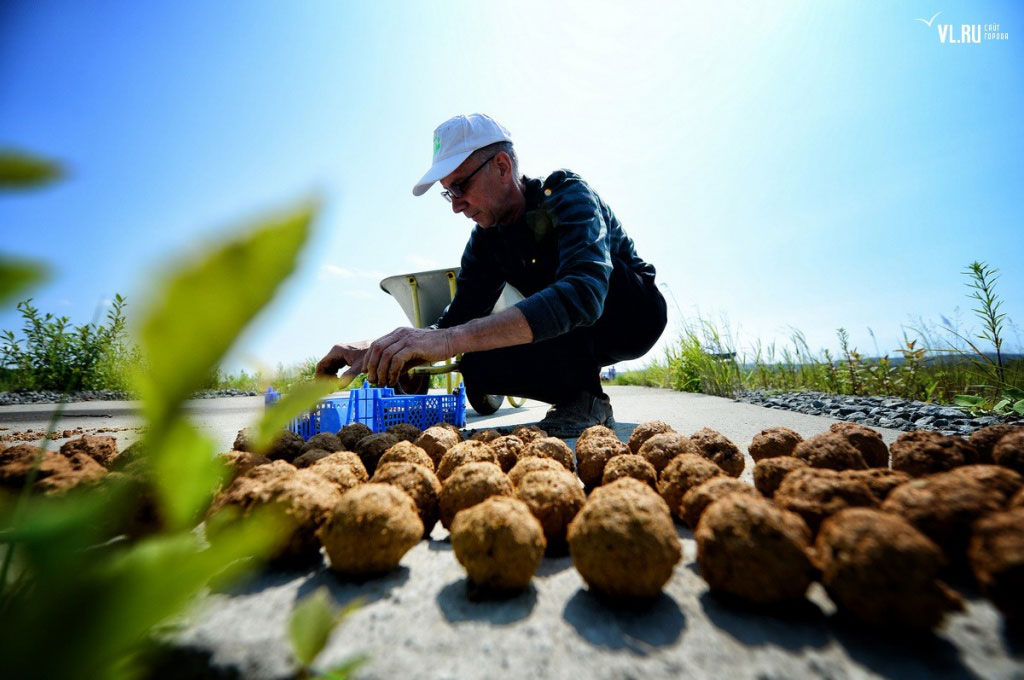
[
  {"x": 49, "y": 397},
  {"x": 898, "y": 414}
]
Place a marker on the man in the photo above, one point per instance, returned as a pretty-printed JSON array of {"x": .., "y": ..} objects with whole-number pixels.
[{"x": 590, "y": 301}]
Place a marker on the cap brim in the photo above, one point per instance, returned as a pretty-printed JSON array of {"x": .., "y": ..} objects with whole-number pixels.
[{"x": 439, "y": 170}]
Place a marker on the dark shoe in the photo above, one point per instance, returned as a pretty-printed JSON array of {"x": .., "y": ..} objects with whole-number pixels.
[{"x": 570, "y": 417}]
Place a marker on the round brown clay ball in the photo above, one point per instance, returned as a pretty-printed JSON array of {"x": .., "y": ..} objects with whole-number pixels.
[
  {"x": 470, "y": 484},
  {"x": 352, "y": 433},
  {"x": 528, "y": 465},
  {"x": 630, "y": 465},
  {"x": 372, "y": 447},
  {"x": 623, "y": 543},
  {"x": 717, "y": 448},
  {"x": 996, "y": 478},
  {"x": 595, "y": 431},
  {"x": 753, "y": 550},
  {"x": 773, "y": 442},
  {"x": 420, "y": 483},
  {"x": 404, "y": 432},
  {"x": 831, "y": 451},
  {"x": 554, "y": 498},
  {"x": 881, "y": 481},
  {"x": 451, "y": 428},
  {"x": 465, "y": 452},
  {"x": 816, "y": 493},
  {"x": 243, "y": 440},
  {"x": 507, "y": 449},
  {"x": 923, "y": 452},
  {"x": 1009, "y": 451},
  {"x": 645, "y": 431},
  {"x": 996, "y": 554},
  {"x": 527, "y": 433},
  {"x": 550, "y": 447},
  {"x": 277, "y": 468},
  {"x": 406, "y": 452},
  {"x": 682, "y": 474},
  {"x": 659, "y": 449},
  {"x": 593, "y": 454},
  {"x": 485, "y": 436},
  {"x": 942, "y": 507},
  {"x": 286, "y": 446},
  {"x": 696, "y": 500},
  {"x": 883, "y": 571},
  {"x": 769, "y": 473},
  {"x": 499, "y": 543},
  {"x": 309, "y": 457},
  {"x": 325, "y": 440},
  {"x": 1018, "y": 500},
  {"x": 241, "y": 462},
  {"x": 305, "y": 499},
  {"x": 869, "y": 442},
  {"x": 436, "y": 441},
  {"x": 343, "y": 468},
  {"x": 371, "y": 528},
  {"x": 984, "y": 440}
]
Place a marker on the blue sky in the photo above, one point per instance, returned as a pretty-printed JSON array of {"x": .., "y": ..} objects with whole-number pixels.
[{"x": 807, "y": 165}]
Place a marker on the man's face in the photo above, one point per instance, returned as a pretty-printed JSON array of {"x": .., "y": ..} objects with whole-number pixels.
[{"x": 481, "y": 195}]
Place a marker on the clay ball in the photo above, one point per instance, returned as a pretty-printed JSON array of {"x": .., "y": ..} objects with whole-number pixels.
[
  {"x": 659, "y": 449},
  {"x": 309, "y": 457},
  {"x": 436, "y": 441},
  {"x": 984, "y": 440},
  {"x": 996, "y": 554},
  {"x": 1009, "y": 451},
  {"x": 717, "y": 448},
  {"x": 595, "y": 431},
  {"x": 769, "y": 473},
  {"x": 527, "y": 433},
  {"x": 645, "y": 431},
  {"x": 554, "y": 498},
  {"x": 682, "y": 474},
  {"x": 869, "y": 442},
  {"x": 753, "y": 550},
  {"x": 371, "y": 528},
  {"x": 352, "y": 433},
  {"x": 553, "y": 448},
  {"x": 831, "y": 451},
  {"x": 103, "y": 450},
  {"x": 470, "y": 484},
  {"x": 406, "y": 452},
  {"x": 465, "y": 452},
  {"x": 404, "y": 432},
  {"x": 623, "y": 542},
  {"x": 499, "y": 543},
  {"x": 881, "y": 481},
  {"x": 241, "y": 462},
  {"x": 773, "y": 442},
  {"x": 630, "y": 465},
  {"x": 816, "y": 493},
  {"x": 923, "y": 452},
  {"x": 882, "y": 570},
  {"x": 485, "y": 436},
  {"x": 696, "y": 500},
  {"x": 343, "y": 468},
  {"x": 325, "y": 440},
  {"x": 286, "y": 446},
  {"x": 420, "y": 483},
  {"x": 528, "y": 465},
  {"x": 507, "y": 449},
  {"x": 372, "y": 447},
  {"x": 1002, "y": 481},
  {"x": 593, "y": 453}
]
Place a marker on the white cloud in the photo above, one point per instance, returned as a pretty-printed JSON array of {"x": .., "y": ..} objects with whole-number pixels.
[{"x": 333, "y": 271}]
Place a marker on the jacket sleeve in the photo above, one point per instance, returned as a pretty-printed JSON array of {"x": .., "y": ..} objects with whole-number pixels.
[
  {"x": 478, "y": 286},
  {"x": 576, "y": 297}
]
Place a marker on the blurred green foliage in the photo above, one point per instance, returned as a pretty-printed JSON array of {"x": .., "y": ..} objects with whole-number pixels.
[
  {"x": 20, "y": 170},
  {"x": 79, "y": 598}
]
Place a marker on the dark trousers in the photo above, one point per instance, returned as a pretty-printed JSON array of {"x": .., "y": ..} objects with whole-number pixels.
[{"x": 552, "y": 370}]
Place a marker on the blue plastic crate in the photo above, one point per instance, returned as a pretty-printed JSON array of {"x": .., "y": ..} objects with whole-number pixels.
[{"x": 378, "y": 408}]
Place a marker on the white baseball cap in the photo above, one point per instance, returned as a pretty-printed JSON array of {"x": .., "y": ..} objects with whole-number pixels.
[{"x": 454, "y": 140}]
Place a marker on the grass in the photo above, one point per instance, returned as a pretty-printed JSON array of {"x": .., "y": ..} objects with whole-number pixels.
[{"x": 938, "y": 363}]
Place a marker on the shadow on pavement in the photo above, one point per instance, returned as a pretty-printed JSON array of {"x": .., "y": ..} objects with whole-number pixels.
[
  {"x": 346, "y": 589},
  {"x": 439, "y": 544},
  {"x": 639, "y": 629},
  {"x": 458, "y": 604},
  {"x": 550, "y": 566},
  {"x": 792, "y": 626}
]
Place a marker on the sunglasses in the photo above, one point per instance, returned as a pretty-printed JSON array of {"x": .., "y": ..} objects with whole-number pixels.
[{"x": 459, "y": 190}]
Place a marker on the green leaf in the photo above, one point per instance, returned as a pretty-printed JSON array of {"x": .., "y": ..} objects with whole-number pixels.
[
  {"x": 1001, "y": 405},
  {"x": 205, "y": 305},
  {"x": 185, "y": 473},
  {"x": 1014, "y": 393},
  {"x": 17, "y": 276},
  {"x": 311, "y": 624},
  {"x": 344, "y": 670},
  {"x": 967, "y": 400},
  {"x": 1018, "y": 408},
  {"x": 301, "y": 397},
  {"x": 19, "y": 170}
]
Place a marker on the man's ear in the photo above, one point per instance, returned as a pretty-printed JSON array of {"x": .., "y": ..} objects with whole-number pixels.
[{"x": 503, "y": 163}]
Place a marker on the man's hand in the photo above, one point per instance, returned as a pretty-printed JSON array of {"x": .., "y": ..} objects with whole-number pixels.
[
  {"x": 340, "y": 356},
  {"x": 388, "y": 356}
]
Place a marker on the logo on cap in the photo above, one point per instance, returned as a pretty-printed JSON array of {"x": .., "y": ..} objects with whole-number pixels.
[{"x": 437, "y": 143}]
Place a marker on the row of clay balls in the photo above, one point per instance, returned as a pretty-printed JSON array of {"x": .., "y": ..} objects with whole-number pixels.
[{"x": 508, "y": 499}]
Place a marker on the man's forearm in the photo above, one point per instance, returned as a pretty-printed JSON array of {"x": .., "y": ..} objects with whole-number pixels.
[{"x": 504, "y": 329}]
